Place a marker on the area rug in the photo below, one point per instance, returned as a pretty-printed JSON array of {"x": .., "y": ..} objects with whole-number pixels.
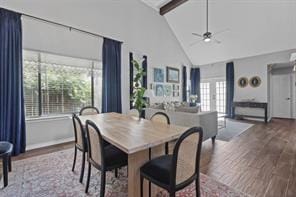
[
  {"x": 232, "y": 129},
  {"x": 50, "y": 175}
]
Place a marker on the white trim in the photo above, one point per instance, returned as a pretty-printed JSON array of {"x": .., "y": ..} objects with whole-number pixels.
[
  {"x": 49, "y": 118},
  {"x": 50, "y": 143}
]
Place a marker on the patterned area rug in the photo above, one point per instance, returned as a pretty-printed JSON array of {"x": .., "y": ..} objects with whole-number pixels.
[{"x": 51, "y": 176}]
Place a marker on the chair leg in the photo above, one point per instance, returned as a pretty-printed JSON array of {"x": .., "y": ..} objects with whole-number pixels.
[
  {"x": 172, "y": 194},
  {"x": 166, "y": 148},
  {"x": 149, "y": 189},
  {"x": 103, "y": 182},
  {"x": 116, "y": 173},
  {"x": 197, "y": 189},
  {"x": 82, "y": 167},
  {"x": 88, "y": 177},
  {"x": 5, "y": 170},
  {"x": 74, "y": 162},
  {"x": 141, "y": 181},
  {"x": 213, "y": 139},
  {"x": 9, "y": 163}
]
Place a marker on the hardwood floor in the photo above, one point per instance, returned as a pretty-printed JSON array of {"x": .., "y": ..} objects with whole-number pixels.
[{"x": 260, "y": 162}]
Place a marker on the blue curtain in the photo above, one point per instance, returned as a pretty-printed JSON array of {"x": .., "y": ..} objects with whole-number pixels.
[
  {"x": 144, "y": 66},
  {"x": 229, "y": 88},
  {"x": 111, "y": 97},
  {"x": 184, "y": 84},
  {"x": 195, "y": 82},
  {"x": 12, "y": 113}
]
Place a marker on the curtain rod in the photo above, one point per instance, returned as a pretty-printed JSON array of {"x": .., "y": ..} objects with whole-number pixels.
[{"x": 62, "y": 25}]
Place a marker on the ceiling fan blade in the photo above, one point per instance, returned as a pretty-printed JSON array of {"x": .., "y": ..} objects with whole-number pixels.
[
  {"x": 196, "y": 34},
  {"x": 220, "y": 32},
  {"x": 192, "y": 44},
  {"x": 217, "y": 41}
]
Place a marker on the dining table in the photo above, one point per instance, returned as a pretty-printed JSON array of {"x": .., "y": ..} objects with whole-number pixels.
[{"x": 135, "y": 136}]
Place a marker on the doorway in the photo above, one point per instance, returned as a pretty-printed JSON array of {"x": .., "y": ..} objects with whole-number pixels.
[
  {"x": 213, "y": 95},
  {"x": 282, "y": 95}
]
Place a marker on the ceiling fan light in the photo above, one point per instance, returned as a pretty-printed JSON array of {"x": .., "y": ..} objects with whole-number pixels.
[{"x": 207, "y": 39}]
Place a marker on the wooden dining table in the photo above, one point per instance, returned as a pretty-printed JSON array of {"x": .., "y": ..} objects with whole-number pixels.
[{"x": 135, "y": 137}]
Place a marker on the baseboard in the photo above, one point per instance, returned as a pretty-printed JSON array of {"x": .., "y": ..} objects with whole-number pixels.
[{"x": 50, "y": 143}]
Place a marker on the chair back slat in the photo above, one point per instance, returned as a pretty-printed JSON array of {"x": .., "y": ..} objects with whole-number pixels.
[
  {"x": 160, "y": 117},
  {"x": 89, "y": 110},
  {"x": 95, "y": 143},
  {"x": 78, "y": 131},
  {"x": 186, "y": 160}
]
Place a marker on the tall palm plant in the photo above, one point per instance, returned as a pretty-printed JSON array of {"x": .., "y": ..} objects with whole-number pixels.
[{"x": 138, "y": 90}]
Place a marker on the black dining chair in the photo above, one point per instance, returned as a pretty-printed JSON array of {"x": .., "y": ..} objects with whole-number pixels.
[
  {"x": 163, "y": 118},
  {"x": 5, "y": 154},
  {"x": 89, "y": 110},
  {"x": 175, "y": 172},
  {"x": 103, "y": 158},
  {"x": 80, "y": 143}
]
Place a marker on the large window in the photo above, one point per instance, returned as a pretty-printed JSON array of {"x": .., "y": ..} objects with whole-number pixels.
[
  {"x": 56, "y": 84},
  {"x": 205, "y": 96},
  {"x": 221, "y": 96}
]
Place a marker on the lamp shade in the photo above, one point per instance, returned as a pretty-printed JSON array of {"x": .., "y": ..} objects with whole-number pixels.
[{"x": 148, "y": 93}]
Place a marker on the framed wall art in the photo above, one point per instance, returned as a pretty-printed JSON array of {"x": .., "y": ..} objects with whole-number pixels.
[{"x": 173, "y": 75}]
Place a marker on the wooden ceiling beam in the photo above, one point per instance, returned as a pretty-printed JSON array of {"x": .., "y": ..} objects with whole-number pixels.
[{"x": 170, "y": 6}]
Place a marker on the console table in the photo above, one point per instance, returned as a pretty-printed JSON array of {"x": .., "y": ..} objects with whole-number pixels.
[{"x": 251, "y": 105}]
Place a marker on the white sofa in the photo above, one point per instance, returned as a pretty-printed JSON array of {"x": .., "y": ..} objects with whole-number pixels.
[{"x": 207, "y": 120}]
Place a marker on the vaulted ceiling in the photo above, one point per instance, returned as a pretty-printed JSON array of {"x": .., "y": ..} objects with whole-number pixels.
[{"x": 255, "y": 27}]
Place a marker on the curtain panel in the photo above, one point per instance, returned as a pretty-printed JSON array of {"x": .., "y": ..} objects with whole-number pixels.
[
  {"x": 12, "y": 113},
  {"x": 195, "y": 82},
  {"x": 184, "y": 84},
  {"x": 144, "y": 66},
  {"x": 229, "y": 89},
  {"x": 111, "y": 95}
]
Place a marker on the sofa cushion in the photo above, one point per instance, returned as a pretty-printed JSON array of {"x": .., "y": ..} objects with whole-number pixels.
[{"x": 187, "y": 109}]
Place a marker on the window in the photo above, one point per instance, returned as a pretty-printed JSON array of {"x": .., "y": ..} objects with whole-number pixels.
[
  {"x": 205, "y": 96},
  {"x": 56, "y": 84},
  {"x": 221, "y": 96}
]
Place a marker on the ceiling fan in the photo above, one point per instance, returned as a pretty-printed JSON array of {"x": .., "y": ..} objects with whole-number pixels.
[{"x": 208, "y": 36}]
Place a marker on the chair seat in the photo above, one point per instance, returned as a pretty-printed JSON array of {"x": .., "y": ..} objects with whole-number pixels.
[
  {"x": 5, "y": 148},
  {"x": 114, "y": 156},
  {"x": 158, "y": 169}
]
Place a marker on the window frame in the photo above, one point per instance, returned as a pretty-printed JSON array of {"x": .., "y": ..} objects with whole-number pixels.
[{"x": 41, "y": 116}]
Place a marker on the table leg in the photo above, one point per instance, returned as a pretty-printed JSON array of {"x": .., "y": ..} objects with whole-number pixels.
[{"x": 135, "y": 161}]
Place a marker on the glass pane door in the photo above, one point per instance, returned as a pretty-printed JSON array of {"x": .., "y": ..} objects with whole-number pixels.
[
  {"x": 220, "y": 96},
  {"x": 205, "y": 97}
]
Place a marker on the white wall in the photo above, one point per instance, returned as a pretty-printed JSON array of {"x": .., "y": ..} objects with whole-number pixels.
[
  {"x": 141, "y": 28},
  {"x": 248, "y": 67}
]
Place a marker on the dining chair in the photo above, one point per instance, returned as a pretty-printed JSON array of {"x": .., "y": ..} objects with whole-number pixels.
[
  {"x": 5, "y": 154},
  {"x": 176, "y": 171},
  {"x": 80, "y": 143},
  {"x": 89, "y": 110},
  {"x": 103, "y": 158},
  {"x": 162, "y": 118}
]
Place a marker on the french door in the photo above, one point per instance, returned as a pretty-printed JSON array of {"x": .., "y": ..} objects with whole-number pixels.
[{"x": 213, "y": 95}]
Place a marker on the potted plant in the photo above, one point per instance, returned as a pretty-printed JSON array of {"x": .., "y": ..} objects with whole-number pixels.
[{"x": 138, "y": 91}]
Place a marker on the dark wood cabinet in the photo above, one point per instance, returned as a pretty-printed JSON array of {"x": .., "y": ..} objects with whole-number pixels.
[{"x": 251, "y": 105}]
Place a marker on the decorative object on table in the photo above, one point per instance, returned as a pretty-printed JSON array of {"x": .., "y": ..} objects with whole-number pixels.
[
  {"x": 167, "y": 90},
  {"x": 158, "y": 75},
  {"x": 138, "y": 91},
  {"x": 193, "y": 99},
  {"x": 148, "y": 94},
  {"x": 255, "y": 82},
  {"x": 243, "y": 82},
  {"x": 159, "y": 90},
  {"x": 173, "y": 75}
]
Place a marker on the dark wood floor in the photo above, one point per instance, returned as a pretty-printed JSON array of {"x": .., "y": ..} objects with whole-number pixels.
[{"x": 260, "y": 162}]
